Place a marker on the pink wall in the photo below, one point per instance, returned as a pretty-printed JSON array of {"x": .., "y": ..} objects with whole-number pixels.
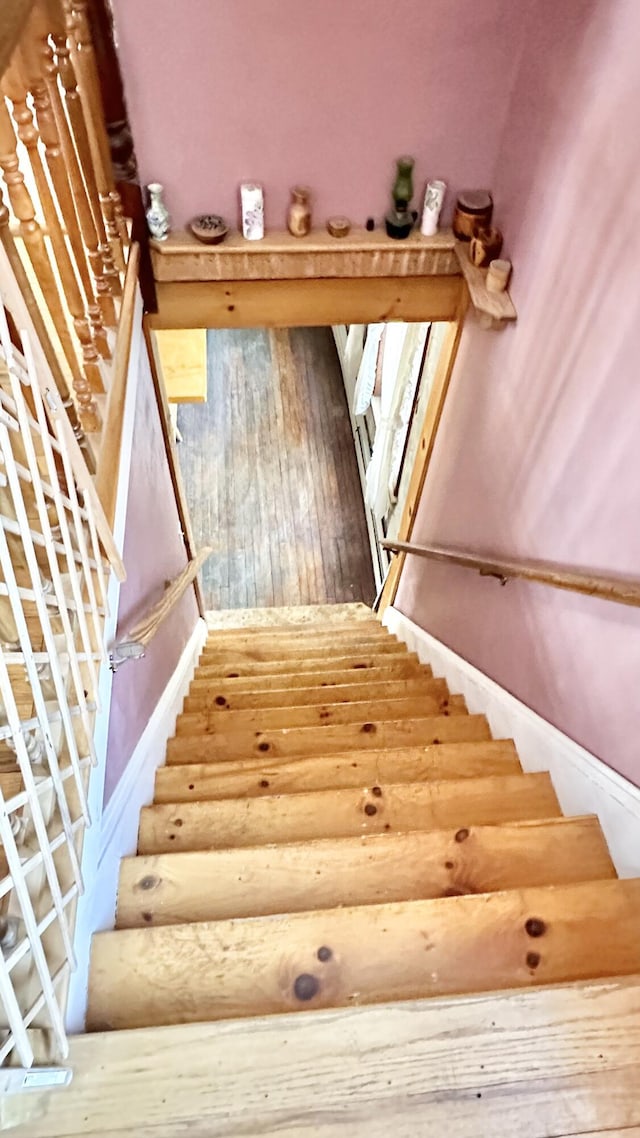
[
  {"x": 539, "y": 452},
  {"x": 323, "y": 92},
  {"x": 153, "y": 553}
]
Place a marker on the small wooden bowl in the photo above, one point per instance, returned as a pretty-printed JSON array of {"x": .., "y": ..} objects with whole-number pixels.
[
  {"x": 338, "y": 226},
  {"x": 209, "y": 228}
]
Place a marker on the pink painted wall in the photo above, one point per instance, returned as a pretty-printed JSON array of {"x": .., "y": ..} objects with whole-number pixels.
[
  {"x": 539, "y": 451},
  {"x": 323, "y": 92},
  {"x": 153, "y": 553}
]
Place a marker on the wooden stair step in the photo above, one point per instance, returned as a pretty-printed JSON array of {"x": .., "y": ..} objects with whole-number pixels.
[
  {"x": 318, "y": 715},
  {"x": 325, "y": 661},
  {"x": 207, "y": 697},
  {"x": 256, "y": 778},
  {"x": 279, "y": 654},
  {"x": 326, "y": 628},
  {"x": 537, "y": 1062},
  {"x": 301, "y": 741},
  {"x": 407, "y": 667},
  {"x": 282, "y": 640},
  {"x": 302, "y": 817},
  {"x": 369, "y": 954},
  {"x": 217, "y": 885}
]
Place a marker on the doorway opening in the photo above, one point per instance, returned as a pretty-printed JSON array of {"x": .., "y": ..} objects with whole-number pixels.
[{"x": 297, "y": 456}]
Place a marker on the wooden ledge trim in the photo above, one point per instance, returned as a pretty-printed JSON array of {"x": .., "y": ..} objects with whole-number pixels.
[{"x": 279, "y": 256}]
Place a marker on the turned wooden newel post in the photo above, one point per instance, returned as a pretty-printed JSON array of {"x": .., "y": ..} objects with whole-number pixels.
[
  {"x": 32, "y": 67},
  {"x": 14, "y": 88}
]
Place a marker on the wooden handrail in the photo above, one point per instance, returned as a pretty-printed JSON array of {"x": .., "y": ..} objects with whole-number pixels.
[
  {"x": 111, "y": 445},
  {"x": 619, "y": 589},
  {"x": 132, "y": 646}
]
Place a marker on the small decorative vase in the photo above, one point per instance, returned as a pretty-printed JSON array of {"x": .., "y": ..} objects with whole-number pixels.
[
  {"x": 299, "y": 212},
  {"x": 252, "y": 207},
  {"x": 433, "y": 199},
  {"x": 158, "y": 219}
]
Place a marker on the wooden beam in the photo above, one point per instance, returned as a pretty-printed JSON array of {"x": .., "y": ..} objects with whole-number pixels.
[
  {"x": 305, "y": 303},
  {"x": 374, "y": 953},
  {"x": 279, "y": 256},
  {"x": 343, "y": 813},
  {"x": 560, "y": 1061}
]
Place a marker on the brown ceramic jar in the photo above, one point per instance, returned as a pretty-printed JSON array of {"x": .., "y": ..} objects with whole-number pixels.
[{"x": 473, "y": 211}]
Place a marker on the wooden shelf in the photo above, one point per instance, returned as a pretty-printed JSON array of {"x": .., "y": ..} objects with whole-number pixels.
[
  {"x": 279, "y": 256},
  {"x": 494, "y": 308}
]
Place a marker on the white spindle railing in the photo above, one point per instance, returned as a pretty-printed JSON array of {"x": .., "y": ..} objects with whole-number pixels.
[{"x": 53, "y": 600}]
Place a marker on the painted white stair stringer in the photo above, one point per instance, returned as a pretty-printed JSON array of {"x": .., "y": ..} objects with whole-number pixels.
[{"x": 583, "y": 783}]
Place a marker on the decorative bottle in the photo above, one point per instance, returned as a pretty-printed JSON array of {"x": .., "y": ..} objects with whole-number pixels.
[
  {"x": 433, "y": 199},
  {"x": 252, "y": 209},
  {"x": 399, "y": 220},
  {"x": 157, "y": 214},
  {"x": 299, "y": 212}
]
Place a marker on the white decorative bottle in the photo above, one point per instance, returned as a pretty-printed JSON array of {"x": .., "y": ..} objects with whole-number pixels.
[
  {"x": 157, "y": 215},
  {"x": 252, "y": 208},
  {"x": 433, "y": 199}
]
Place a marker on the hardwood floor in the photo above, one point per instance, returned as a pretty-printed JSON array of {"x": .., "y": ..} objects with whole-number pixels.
[{"x": 271, "y": 476}]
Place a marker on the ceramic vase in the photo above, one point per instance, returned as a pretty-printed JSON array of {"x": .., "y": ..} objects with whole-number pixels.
[
  {"x": 299, "y": 213},
  {"x": 433, "y": 199},
  {"x": 157, "y": 214},
  {"x": 252, "y": 209}
]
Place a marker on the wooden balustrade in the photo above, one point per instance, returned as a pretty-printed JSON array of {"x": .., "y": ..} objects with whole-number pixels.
[
  {"x": 62, "y": 224},
  {"x": 32, "y": 60},
  {"x": 621, "y": 590}
]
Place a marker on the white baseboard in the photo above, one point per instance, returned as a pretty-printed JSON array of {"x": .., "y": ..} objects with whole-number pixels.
[
  {"x": 583, "y": 783},
  {"x": 118, "y": 830}
]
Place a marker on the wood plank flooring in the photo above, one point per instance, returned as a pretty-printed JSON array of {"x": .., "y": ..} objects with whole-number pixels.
[{"x": 271, "y": 475}]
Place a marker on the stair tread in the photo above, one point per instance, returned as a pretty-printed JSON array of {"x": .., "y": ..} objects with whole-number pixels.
[
  {"x": 236, "y": 668},
  {"x": 337, "y": 957},
  {"x": 279, "y": 654},
  {"x": 203, "y": 697},
  {"x": 301, "y": 628},
  {"x": 300, "y": 741},
  {"x": 406, "y": 667},
  {"x": 257, "y": 778},
  {"x": 325, "y": 873},
  {"x": 338, "y": 813},
  {"x": 235, "y": 722}
]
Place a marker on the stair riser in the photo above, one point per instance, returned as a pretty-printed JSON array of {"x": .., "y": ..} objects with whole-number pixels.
[
  {"x": 204, "y": 699},
  {"x": 302, "y": 741},
  {"x": 185, "y": 973},
  {"x": 220, "y": 885},
  {"x": 211, "y": 781},
  {"x": 344, "y": 813}
]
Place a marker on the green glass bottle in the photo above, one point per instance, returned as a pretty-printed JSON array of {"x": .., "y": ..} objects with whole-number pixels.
[{"x": 399, "y": 220}]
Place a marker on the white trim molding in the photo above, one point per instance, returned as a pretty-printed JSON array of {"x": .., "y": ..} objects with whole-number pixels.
[
  {"x": 117, "y": 832},
  {"x": 583, "y": 783}
]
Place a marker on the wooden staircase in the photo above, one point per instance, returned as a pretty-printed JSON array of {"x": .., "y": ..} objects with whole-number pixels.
[{"x": 332, "y": 828}]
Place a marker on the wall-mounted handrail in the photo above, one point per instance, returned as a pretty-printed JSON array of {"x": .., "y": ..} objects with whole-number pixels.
[
  {"x": 622, "y": 590},
  {"x": 132, "y": 646}
]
